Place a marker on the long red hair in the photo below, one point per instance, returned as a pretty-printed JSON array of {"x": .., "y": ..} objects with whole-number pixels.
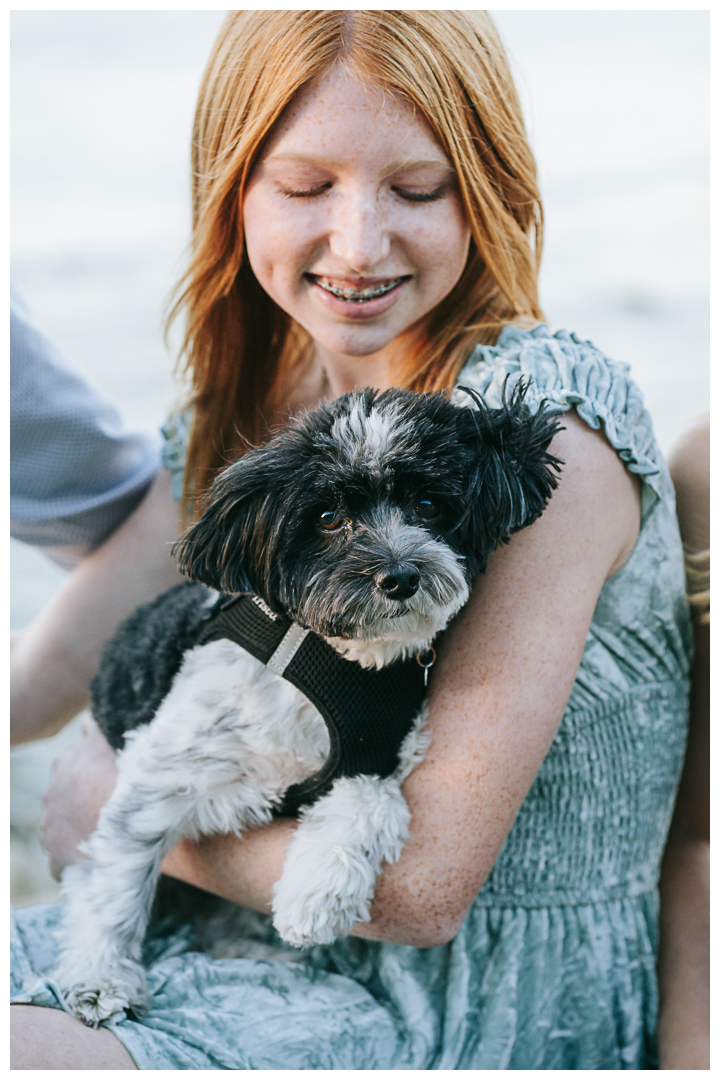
[{"x": 240, "y": 349}]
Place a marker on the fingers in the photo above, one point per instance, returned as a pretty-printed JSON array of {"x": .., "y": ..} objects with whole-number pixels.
[
  {"x": 83, "y": 777},
  {"x": 89, "y": 727}
]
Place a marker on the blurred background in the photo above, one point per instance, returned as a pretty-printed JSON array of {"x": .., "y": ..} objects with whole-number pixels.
[{"x": 616, "y": 103}]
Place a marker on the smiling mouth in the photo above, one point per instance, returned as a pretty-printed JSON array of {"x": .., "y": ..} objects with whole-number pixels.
[{"x": 358, "y": 296}]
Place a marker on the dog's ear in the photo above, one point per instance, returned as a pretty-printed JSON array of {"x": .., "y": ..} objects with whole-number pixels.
[
  {"x": 223, "y": 548},
  {"x": 512, "y": 474}
]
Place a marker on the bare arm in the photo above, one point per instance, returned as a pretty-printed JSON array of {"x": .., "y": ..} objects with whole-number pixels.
[
  {"x": 684, "y": 1025},
  {"x": 55, "y": 657},
  {"x": 498, "y": 696}
]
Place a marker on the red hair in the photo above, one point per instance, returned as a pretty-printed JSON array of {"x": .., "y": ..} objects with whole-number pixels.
[{"x": 241, "y": 350}]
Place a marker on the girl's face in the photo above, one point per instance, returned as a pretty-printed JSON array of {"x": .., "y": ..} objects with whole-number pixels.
[{"x": 354, "y": 224}]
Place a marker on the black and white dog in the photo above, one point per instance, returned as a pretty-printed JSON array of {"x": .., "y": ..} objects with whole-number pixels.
[{"x": 340, "y": 549}]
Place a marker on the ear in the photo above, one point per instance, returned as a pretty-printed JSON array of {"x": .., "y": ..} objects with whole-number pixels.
[
  {"x": 512, "y": 474},
  {"x": 221, "y": 549}
]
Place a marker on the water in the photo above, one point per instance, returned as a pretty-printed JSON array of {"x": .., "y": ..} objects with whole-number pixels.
[{"x": 617, "y": 108}]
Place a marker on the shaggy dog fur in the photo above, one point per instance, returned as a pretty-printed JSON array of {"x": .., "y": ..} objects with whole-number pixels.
[{"x": 366, "y": 523}]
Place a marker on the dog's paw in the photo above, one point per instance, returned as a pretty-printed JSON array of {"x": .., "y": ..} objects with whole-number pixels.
[
  {"x": 316, "y": 912},
  {"x": 97, "y": 997},
  {"x": 310, "y": 922},
  {"x": 93, "y": 1004},
  {"x": 341, "y": 842}
]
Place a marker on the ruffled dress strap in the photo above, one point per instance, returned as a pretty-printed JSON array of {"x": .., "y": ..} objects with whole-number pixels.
[{"x": 569, "y": 372}]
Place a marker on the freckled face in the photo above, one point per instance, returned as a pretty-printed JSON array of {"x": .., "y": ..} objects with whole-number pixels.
[{"x": 353, "y": 222}]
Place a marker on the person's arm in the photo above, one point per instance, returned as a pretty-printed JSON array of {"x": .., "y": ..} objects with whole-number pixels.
[
  {"x": 75, "y": 472},
  {"x": 53, "y": 659},
  {"x": 684, "y": 973},
  {"x": 498, "y": 694}
]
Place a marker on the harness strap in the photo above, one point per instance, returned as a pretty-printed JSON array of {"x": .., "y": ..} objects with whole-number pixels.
[{"x": 287, "y": 648}]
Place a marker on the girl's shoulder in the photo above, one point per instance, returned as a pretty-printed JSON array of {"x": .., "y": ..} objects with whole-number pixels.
[
  {"x": 559, "y": 368},
  {"x": 567, "y": 372}
]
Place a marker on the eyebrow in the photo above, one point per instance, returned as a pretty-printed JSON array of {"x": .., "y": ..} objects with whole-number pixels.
[{"x": 307, "y": 159}]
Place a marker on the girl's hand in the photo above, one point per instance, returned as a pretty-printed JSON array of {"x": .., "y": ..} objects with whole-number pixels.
[{"x": 83, "y": 779}]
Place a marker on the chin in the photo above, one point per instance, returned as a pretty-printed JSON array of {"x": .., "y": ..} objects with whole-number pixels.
[{"x": 357, "y": 333}]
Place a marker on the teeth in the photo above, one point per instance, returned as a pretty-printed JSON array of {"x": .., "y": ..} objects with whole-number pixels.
[{"x": 360, "y": 296}]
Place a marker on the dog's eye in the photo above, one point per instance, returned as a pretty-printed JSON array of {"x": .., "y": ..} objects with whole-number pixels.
[
  {"x": 427, "y": 509},
  {"x": 330, "y": 520}
]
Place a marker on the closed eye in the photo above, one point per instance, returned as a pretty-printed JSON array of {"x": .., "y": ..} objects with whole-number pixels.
[
  {"x": 306, "y": 193},
  {"x": 421, "y": 196},
  {"x": 404, "y": 193}
]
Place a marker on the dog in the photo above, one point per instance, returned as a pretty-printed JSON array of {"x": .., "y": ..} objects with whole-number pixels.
[{"x": 288, "y": 675}]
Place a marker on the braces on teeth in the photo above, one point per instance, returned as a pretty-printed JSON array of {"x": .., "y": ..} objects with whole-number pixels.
[{"x": 361, "y": 296}]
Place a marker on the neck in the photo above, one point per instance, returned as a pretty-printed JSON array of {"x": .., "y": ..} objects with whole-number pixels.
[{"x": 346, "y": 373}]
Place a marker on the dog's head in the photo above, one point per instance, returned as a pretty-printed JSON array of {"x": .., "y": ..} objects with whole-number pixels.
[{"x": 370, "y": 517}]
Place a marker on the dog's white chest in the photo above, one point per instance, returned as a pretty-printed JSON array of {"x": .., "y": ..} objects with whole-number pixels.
[{"x": 225, "y": 709}]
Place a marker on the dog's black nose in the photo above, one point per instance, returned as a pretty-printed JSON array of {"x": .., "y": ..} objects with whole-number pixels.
[{"x": 398, "y": 582}]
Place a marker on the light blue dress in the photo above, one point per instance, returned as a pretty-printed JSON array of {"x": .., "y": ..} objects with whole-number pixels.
[{"x": 554, "y": 966}]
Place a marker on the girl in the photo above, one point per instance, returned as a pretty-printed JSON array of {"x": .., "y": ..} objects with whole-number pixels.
[{"x": 366, "y": 213}]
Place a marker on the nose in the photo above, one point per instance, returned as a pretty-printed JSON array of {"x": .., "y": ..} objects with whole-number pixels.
[
  {"x": 359, "y": 236},
  {"x": 398, "y": 582}
]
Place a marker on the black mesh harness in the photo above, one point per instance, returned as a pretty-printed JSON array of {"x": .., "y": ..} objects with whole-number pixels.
[{"x": 368, "y": 711}]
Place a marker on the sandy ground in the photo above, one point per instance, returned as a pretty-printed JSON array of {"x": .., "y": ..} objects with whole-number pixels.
[{"x": 617, "y": 108}]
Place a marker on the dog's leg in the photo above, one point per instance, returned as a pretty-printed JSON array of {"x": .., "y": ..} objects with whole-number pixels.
[
  {"x": 206, "y": 764},
  {"x": 109, "y": 894},
  {"x": 329, "y": 875},
  {"x": 328, "y": 880}
]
